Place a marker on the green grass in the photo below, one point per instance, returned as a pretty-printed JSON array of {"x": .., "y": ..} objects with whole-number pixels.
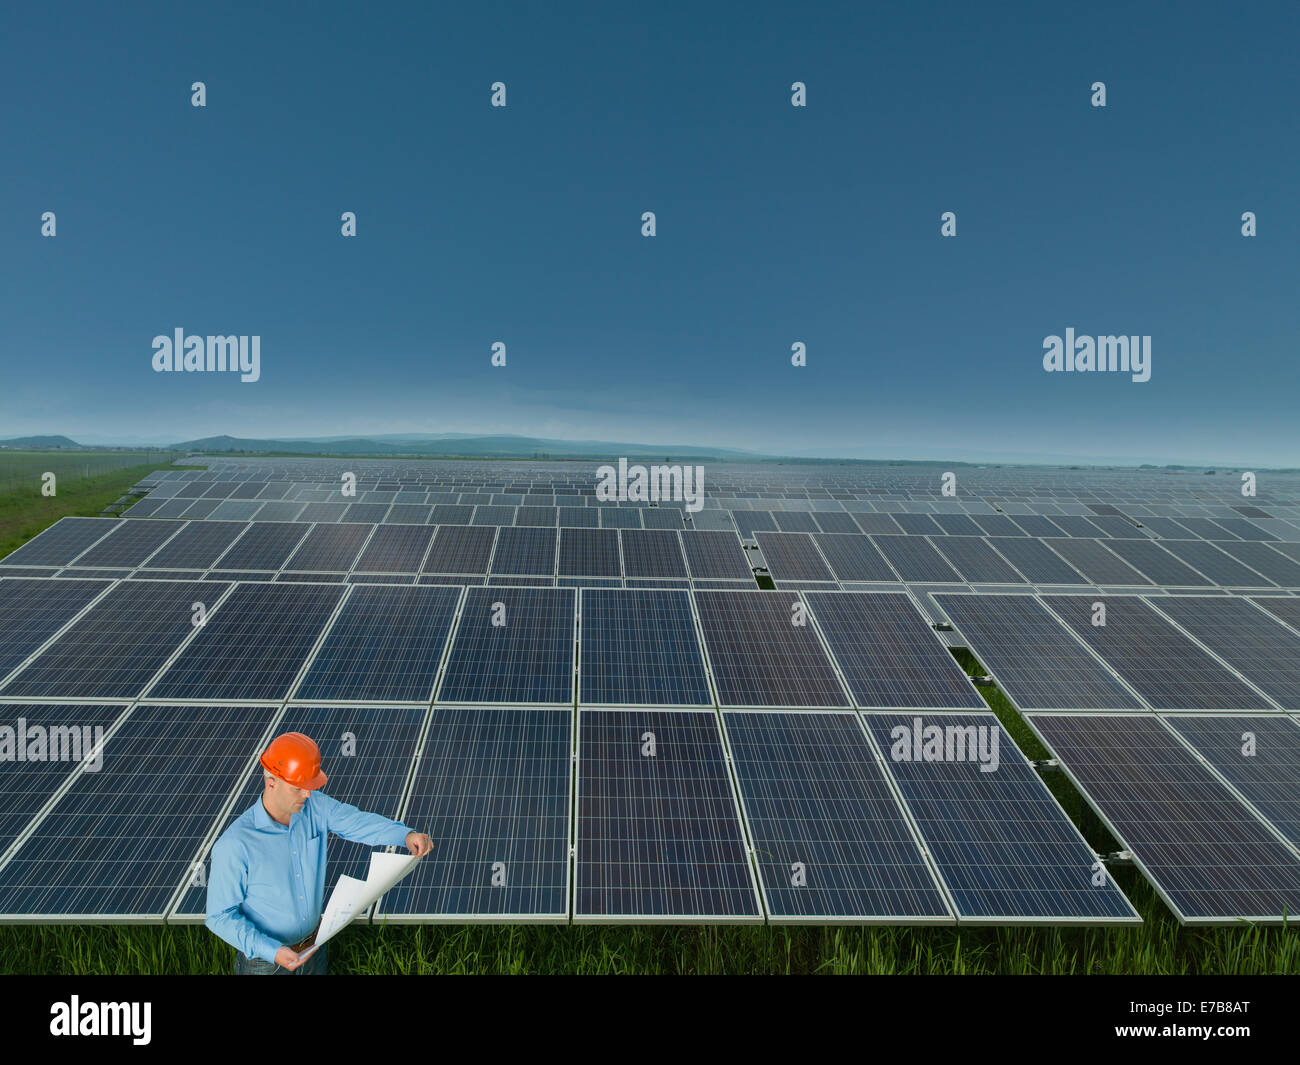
[
  {"x": 1159, "y": 946},
  {"x": 24, "y": 512}
]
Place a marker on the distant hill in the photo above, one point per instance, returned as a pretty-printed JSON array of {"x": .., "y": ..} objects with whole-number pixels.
[
  {"x": 468, "y": 446},
  {"x": 39, "y": 441}
]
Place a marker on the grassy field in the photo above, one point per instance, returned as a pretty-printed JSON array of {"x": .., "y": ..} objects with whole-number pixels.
[{"x": 1159, "y": 946}]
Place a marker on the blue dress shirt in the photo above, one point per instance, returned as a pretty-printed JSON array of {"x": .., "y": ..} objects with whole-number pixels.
[{"x": 266, "y": 888}]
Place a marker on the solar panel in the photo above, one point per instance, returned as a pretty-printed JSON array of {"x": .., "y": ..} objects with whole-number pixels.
[
  {"x": 831, "y": 522},
  {"x": 915, "y": 559},
  {"x": 830, "y": 840},
  {"x": 1277, "y": 567},
  {"x": 997, "y": 525},
  {"x": 1259, "y": 756},
  {"x": 1076, "y": 525},
  {"x": 253, "y": 646},
  {"x": 525, "y": 551},
  {"x": 976, "y": 560},
  {"x": 1286, "y": 609},
  {"x": 883, "y": 524},
  {"x": 1161, "y": 664},
  {"x": 1097, "y": 563},
  {"x": 792, "y": 556},
  {"x": 118, "y": 843},
  {"x": 46, "y": 742},
  {"x": 1158, "y": 564},
  {"x": 533, "y": 515},
  {"x": 589, "y": 553},
  {"x": 1036, "y": 525},
  {"x": 1205, "y": 528},
  {"x": 452, "y": 514},
  {"x": 652, "y": 553},
  {"x": 794, "y": 521},
  {"x": 395, "y": 549},
  {"x": 329, "y": 548},
  {"x": 658, "y": 830},
  {"x": 385, "y": 645},
  {"x": 1206, "y": 855},
  {"x": 265, "y": 546},
  {"x": 32, "y": 610},
  {"x": 520, "y": 651},
  {"x": 1038, "y": 562},
  {"x": 461, "y": 549},
  {"x": 854, "y": 558},
  {"x": 1002, "y": 844},
  {"x": 715, "y": 554},
  {"x": 764, "y": 652},
  {"x": 1219, "y": 567},
  {"x": 1249, "y": 640},
  {"x": 639, "y": 647},
  {"x": 365, "y": 512},
  {"x": 325, "y": 513},
  {"x": 235, "y": 510},
  {"x": 1035, "y": 660},
  {"x": 129, "y": 544},
  {"x": 957, "y": 525},
  {"x": 1247, "y": 530},
  {"x": 113, "y": 650},
  {"x": 888, "y": 653},
  {"x": 581, "y": 518},
  {"x": 366, "y": 752},
  {"x": 197, "y": 546},
  {"x": 492, "y": 789}
]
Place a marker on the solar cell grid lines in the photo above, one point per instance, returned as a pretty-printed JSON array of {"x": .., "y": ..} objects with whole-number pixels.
[
  {"x": 95, "y": 854},
  {"x": 976, "y": 560},
  {"x": 1158, "y": 564},
  {"x": 652, "y": 553},
  {"x": 1159, "y": 662},
  {"x": 367, "y": 753},
  {"x": 34, "y": 609},
  {"x": 526, "y": 551},
  {"x": 395, "y": 549},
  {"x": 1097, "y": 563},
  {"x": 253, "y": 645},
  {"x": 68, "y": 735},
  {"x": 115, "y": 648},
  {"x": 658, "y": 829},
  {"x": 385, "y": 645},
  {"x": 329, "y": 548},
  {"x": 915, "y": 560},
  {"x": 1220, "y": 567},
  {"x": 764, "y": 653},
  {"x": 888, "y": 653},
  {"x": 512, "y": 645},
  {"x": 1034, "y": 658},
  {"x": 492, "y": 788},
  {"x": 1036, "y": 561},
  {"x": 589, "y": 553},
  {"x": 715, "y": 555},
  {"x": 197, "y": 546},
  {"x": 265, "y": 546},
  {"x": 854, "y": 558},
  {"x": 792, "y": 556},
  {"x": 461, "y": 549},
  {"x": 1259, "y": 756},
  {"x": 1285, "y": 609},
  {"x": 1251, "y": 641},
  {"x": 830, "y": 840},
  {"x": 639, "y": 647},
  {"x": 1002, "y": 844},
  {"x": 1277, "y": 567},
  {"x": 1205, "y": 853},
  {"x": 129, "y": 544}
]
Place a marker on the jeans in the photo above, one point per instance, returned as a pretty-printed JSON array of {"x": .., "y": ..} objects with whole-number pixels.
[{"x": 314, "y": 966}]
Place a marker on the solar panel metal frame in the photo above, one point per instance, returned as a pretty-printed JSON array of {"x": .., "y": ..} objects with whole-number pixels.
[
  {"x": 904, "y": 816},
  {"x": 759, "y": 915}
]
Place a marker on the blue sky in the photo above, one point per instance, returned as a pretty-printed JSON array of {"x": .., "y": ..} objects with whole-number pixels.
[{"x": 775, "y": 224}]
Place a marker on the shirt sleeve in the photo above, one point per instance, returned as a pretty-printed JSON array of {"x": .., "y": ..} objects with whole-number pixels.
[
  {"x": 227, "y": 888},
  {"x": 344, "y": 819}
]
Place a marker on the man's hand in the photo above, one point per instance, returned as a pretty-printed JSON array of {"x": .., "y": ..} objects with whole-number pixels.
[
  {"x": 418, "y": 844},
  {"x": 287, "y": 958}
]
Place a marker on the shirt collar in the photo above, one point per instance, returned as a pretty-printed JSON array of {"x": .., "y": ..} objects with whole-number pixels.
[{"x": 263, "y": 820}]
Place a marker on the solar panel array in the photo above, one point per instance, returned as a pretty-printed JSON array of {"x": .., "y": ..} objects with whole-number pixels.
[{"x": 525, "y": 670}]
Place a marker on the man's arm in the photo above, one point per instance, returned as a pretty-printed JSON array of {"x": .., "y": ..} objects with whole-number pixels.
[
  {"x": 227, "y": 887},
  {"x": 344, "y": 819}
]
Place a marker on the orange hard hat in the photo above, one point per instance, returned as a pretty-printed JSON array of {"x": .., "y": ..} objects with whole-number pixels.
[{"x": 295, "y": 759}]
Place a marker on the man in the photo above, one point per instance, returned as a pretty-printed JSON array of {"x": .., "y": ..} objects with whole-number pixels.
[{"x": 267, "y": 885}]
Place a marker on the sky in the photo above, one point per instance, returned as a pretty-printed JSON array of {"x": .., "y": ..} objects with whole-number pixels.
[{"x": 775, "y": 224}]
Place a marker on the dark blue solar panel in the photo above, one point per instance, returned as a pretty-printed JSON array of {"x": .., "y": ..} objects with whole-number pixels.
[
  {"x": 525, "y": 551},
  {"x": 652, "y": 553},
  {"x": 62, "y": 542},
  {"x": 589, "y": 553},
  {"x": 385, "y": 646},
  {"x": 32, "y": 610},
  {"x": 395, "y": 549},
  {"x": 253, "y": 645},
  {"x": 265, "y": 546},
  {"x": 1003, "y": 845},
  {"x": 976, "y": 560},
  {"x": 915, "y": 559},
  {"x": 526, "y": 658},
  {"x": 716, "y": 554},
  {"x": 197, "y": 546},
  {"x": 792, "y": 556},
  {"x": 829, "y": 837},
  {"x": 130, "y": 544},
  {"x": 492, "y": 789},
  {"x": 122, "y": 840},
  {"x": 640, "y": 648},
  {"x": 659, "y": 834}
]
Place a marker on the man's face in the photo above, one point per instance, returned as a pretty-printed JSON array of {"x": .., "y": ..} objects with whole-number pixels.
[{"x": 287, "y": 799}]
